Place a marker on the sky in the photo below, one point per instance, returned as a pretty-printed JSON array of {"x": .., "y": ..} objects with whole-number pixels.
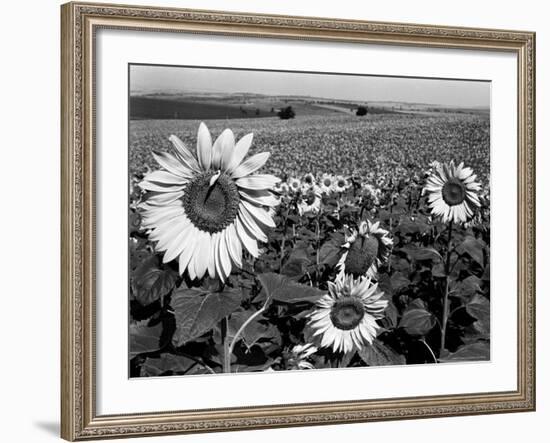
[{"x": 461, "y": 93}]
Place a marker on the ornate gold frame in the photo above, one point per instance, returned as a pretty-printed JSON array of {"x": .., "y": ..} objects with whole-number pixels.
[{"x": 78, "y": 416}]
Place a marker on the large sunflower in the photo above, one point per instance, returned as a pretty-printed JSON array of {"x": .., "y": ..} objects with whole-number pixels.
[
  {"x": 345, "y": 318},
  {"x": 453, "y": 192},
  {"x": 365, "y": 250},
  {"x": 204, "y": 209}
]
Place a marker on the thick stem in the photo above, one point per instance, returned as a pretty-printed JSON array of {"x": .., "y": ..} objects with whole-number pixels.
[
  {"x": 445, "y": 315},
  {"x": 226, "y": 353}
]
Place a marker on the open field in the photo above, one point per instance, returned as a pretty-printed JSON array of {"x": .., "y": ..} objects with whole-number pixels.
[
  {"x": 432, "y": 290},
  {"x": 378, "y": 146}
]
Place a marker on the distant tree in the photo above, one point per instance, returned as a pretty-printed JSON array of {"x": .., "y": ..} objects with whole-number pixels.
[
  {"x": 272, "y": 110},
  {"x": 286, "y": 113},
  {"x": 257, "y": 111},
  {"x": 361, "y": 111}
]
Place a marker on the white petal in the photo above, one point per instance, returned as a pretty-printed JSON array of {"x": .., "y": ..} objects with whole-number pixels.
[
  {"x": 251, "y": 165},
  {"x": 212, "y": 255},
  {"x": 258, "y": 181},
  {"x": 225, "y": 260},
  {"x": 168, "y": 236},
  {"x": 259, "y": 214},
  {"x": 201, "y": 254},
  {"x": 158, "y": 187},
  {"x": 248, "y": 221},
  {"x": 247, "y": 239},
  {"x": 240, "y": 151},
  {"x": 179, "y": 243},
  {"x": 165, "y": 178},
  {"x": 171, "y": 164},
  {"x": 185, "y": 155},
  {"x": 260, "y": 198},
  {"x": 187, "y": 253},
  {"x": 223, "y": 145},
  {"x": 204, "y": 147},
  {"x": 234, "y": 245}
]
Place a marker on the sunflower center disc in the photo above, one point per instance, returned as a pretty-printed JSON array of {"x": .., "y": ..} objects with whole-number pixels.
[
  {"x": 361, "y": 255},
  {"x": 347, "y": 313},
  {"x": 211, "y": 208},
  {"x": 453, "y": 192},
  {"x": 327, "y": 182}
]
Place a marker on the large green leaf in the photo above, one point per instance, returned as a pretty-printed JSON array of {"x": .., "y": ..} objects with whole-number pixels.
[
  {"x": 378, "y": 354},
  {"x": 177, "y": 364},
  {"x": 197, "y": 311},
  {"x": 417, "y": 321},
  {"x": 479, "y": 307},
  {"x": 297, "y": 263},
  {"x": 143, "y": 338},
  {"x": 330, "y": 253},
  {"x": 479, "y": 351},
  {"x": 416, "y": 253},
  {"x": 254, "y": 332},
  {"x": 282, "y": 289},
  {"x": 150, "y": 282},
  {"x": 399, "y": 281},
  {"x": 473, "y": 248}
]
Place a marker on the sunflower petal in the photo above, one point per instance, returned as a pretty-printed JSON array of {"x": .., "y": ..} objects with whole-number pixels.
[
  {"x": 251, "y": 165},
  {"x": 185, "y": 155},
  {"x": 240, "y": 151},
  {"x": 204, "y": 147}
]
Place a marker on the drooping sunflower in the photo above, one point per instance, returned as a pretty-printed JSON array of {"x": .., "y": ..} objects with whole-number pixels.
[
  {"x": 345, "y": 318},
  {"x": 365, "y": 250},
  {"x": 310, "y": 202},
  {"x": 205, "y": 209},
  {"x": 453, "y": 192}
]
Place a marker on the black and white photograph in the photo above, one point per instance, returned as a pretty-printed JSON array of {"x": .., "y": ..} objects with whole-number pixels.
[{"x": 286, "y": 220}]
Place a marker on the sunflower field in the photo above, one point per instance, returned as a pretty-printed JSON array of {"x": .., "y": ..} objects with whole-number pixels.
[{"x": 313, "y": 243}]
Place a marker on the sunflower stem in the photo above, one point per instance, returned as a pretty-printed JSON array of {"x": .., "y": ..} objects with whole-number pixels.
[
  {"x": 244, "y": 325},
  {"x": 445, "y": 315},
  {"x": 429, "y": 349},
  {"x": 225, "y": 340}
]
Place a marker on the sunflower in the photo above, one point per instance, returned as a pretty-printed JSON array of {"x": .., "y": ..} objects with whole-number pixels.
[
  {"x": 453, "y": 192},
  {"x": 341, "y": 184},
  {"x": 327, "y": 183},
  {"x": 308, "y": 181},
  {"x": 345, "y": 318},
  {"x": 204, "y": 209},
  {"x": 298, "y": 355},
  {"x": 310, "y": 202},
  {"x": 366, "y": 249},
  {"x": 295, "y": 185}
]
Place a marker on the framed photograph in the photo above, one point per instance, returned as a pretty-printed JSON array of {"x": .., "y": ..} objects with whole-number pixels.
[{"x": 282, "y": 221}]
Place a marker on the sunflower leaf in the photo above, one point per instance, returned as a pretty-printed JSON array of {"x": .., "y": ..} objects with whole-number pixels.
[
  {"x": 417, "y": 322},
  {"x": 150, "y": 282},
  {"x": 330, "y": 252},
  {"x": 283, "y": 289},
  {"x": 416, "y": 253},
  {"x": 167, "y": 363},
  {"x": 144, "y": 339},
  {"x": 479, "y": 351},
  {"x": 473, "y": 248},
  {"x": 378, "y": 354},
  {"x": 198, "y": 311}
]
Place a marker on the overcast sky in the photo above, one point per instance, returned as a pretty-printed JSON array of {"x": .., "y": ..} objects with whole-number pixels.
[{"x": 464, "y": 93}]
